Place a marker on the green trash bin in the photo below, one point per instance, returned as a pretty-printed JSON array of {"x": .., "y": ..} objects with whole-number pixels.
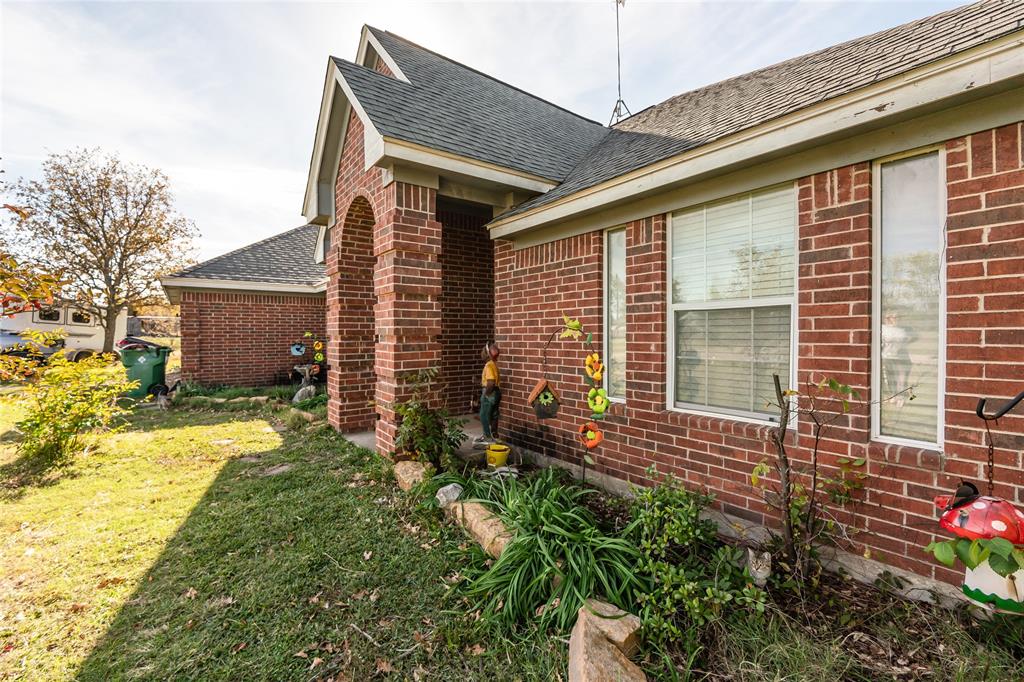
[{"x": 148, "y": 366}]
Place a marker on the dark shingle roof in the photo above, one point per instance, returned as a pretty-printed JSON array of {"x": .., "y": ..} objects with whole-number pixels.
[
  {"x": 285, "y": 258},
  {"x": 710, "y": 113},
  {"x": 451, "y": 107}
]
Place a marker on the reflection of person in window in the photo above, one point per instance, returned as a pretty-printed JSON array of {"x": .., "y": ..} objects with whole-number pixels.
[{"x": 895, "y": 357}]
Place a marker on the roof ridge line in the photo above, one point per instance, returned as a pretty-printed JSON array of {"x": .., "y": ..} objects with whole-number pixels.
[
  {"x": 221, "y": 257},
  {"x": 488, "y": 76}
]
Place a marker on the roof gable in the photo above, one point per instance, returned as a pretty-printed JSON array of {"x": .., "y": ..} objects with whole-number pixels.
[{"x": 450, "y": 107}]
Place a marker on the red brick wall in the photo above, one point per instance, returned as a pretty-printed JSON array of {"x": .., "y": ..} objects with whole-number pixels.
[
  {"x": 242, "y": 339},
  {"x": 985, "y": 344},
  {"x": 467, "y": 302},
  {"x": 387, "y": 235},
  {"x": 350, "y": 264}
]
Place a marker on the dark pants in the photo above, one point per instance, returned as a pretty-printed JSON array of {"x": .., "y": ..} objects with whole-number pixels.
[{"x": 489, "y": 412}]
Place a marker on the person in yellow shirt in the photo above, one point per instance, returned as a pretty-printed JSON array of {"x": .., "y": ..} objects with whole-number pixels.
[{"x": 490, "y": 398}]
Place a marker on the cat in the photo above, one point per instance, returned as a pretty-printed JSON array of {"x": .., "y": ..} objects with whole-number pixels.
[{"x": 759, "y": 565}]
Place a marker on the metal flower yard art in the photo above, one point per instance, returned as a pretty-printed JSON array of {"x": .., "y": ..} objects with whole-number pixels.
[
  {"x": 989, "y": 536},
  {"x": 545, "y": 400}
]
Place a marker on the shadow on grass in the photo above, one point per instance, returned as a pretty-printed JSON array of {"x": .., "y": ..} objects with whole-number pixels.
[
  {"x": 296, "y": 564},
  {"x": 24, "y": 472}
]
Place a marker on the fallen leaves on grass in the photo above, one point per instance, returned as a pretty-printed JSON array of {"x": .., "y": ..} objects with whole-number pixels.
[
  {"x": 238, "y": 647},
  {"x": 367, "y": 555},
  {"x": 107, "y": 582},
  {"x": 190, "y": 593},
  {"x": 384, "y": 666}
]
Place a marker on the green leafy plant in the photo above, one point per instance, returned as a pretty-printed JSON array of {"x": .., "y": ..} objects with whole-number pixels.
[
  {"x": 428, "y": 433},
  {"x": 694, "y": 578},
  {"x": 1002, "y": 556},
  {"x": 68, "y": 400},
  {"x": 805, "y": 494},
  {"x": 21, "y": 362},
  {"x": 557, "y": 558}
]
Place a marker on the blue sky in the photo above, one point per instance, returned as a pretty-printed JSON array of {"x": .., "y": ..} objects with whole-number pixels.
[{"x": 224, "y": 96}]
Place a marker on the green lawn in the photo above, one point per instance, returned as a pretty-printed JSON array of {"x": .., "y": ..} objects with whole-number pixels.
[{"x": 208, "y": 545}]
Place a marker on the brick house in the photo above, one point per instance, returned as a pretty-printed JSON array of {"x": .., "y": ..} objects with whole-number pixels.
[
  {"x": 855, "y": 213},
  {"x": 240, "y": 312}
]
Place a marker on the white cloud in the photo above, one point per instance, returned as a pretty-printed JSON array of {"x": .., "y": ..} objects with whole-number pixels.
[{"x": 224, "y": 96}]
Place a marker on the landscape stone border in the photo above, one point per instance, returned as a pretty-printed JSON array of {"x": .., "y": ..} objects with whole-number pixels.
[
  {"x": 604, "y": 636},
  {"x": 601, "y": 643}
]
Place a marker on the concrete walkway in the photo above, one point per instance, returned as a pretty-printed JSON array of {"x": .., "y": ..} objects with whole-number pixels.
[{"x": 472, "y": 427}]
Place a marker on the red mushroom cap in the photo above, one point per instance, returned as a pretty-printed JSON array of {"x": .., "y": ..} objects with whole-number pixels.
[{"x": 983, "y": 518}]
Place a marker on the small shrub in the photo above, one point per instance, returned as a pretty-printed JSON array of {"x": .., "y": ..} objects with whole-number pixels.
[
  {"x": 309, "y": 404},
  {"x": 557, "y": 558},
  {"x": 68, "y": 400},
  {"x": 430, "y": 434},
  {"x": 694, "y": 578}
]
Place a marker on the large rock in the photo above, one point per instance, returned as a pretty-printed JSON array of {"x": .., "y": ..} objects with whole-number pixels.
[
  {"x": 593, "y": 656},
  {"x": 486, "y": 528},
  {"x": 619, "y": 627},
  {"x": 409, "y": 474},
  {"x": 448, "y": 494}
]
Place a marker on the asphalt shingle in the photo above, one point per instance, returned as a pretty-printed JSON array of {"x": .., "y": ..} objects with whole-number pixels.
[
  {"x": 451, "y": 107},
  {"x": 285, "y": 258},
  {"x": 701, "y": 116}
]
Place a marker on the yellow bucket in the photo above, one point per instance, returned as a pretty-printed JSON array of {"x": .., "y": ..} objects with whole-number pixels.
[{"x": 497, "y": 455}]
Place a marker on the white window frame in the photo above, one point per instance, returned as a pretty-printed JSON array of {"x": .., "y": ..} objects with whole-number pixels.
[
  {"x": 876, "y": 301},
  {"x": 671, "y": 308},
  {"x": 606, "y": 318}
]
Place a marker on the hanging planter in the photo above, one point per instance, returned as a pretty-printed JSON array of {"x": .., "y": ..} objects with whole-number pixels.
[
  {"x": 990, "y": 544},
  {"x": 544, "y": 400}
]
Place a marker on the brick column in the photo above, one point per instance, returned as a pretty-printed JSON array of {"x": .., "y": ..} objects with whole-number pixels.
[{"x": 407, "y": 283}]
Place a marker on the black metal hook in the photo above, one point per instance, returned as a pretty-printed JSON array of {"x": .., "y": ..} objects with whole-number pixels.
[{"x": 1007, "y": 406}]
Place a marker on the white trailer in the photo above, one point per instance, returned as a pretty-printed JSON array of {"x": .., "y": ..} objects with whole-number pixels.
[{"x": 83, "y": 332}]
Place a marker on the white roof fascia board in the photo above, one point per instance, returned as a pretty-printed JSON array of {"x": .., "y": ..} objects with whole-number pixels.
[
  {"x": 241, "y": 284},
  {"x": 399, "y": 151},
  {"x": 972, "y": 70},
  {"x": 367, "y": 38},
  {"x": 945, "y": 124},
  {"x": 309, "y": 204}
]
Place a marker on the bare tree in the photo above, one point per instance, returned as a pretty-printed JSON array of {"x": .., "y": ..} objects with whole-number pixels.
[{"x": 110, "y": 227}]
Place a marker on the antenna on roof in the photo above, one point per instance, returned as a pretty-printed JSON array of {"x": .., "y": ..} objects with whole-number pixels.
[{"x": 620, "y": 111}]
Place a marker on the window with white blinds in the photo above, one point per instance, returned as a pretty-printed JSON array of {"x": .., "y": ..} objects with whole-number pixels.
[
  {"x": 733, "y": 278},
  {"x": 910, "y": 206}
]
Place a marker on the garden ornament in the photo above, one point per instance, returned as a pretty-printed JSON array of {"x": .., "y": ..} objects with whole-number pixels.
[
  {"x": 307, "y": 389},
  {"x": 990, "y": 535},
  {"x": 298, "y": 349},
  {"x": 597, "y": 399},
  {"x": 591, "y": 435},
  {"x": 544, "y": 399},
  {"x": 543, "y": 395},
  {"x": 490, "y": 396}
]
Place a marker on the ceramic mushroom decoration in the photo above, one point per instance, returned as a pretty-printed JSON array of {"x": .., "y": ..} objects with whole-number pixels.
[{"x": 990, "y": 544}]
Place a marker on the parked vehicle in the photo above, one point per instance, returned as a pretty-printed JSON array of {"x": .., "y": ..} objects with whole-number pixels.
[{"x": 83, "y": 333}]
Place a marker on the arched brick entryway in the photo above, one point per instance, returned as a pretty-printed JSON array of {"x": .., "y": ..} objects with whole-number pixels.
[{"x": 350, "y": 320}]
